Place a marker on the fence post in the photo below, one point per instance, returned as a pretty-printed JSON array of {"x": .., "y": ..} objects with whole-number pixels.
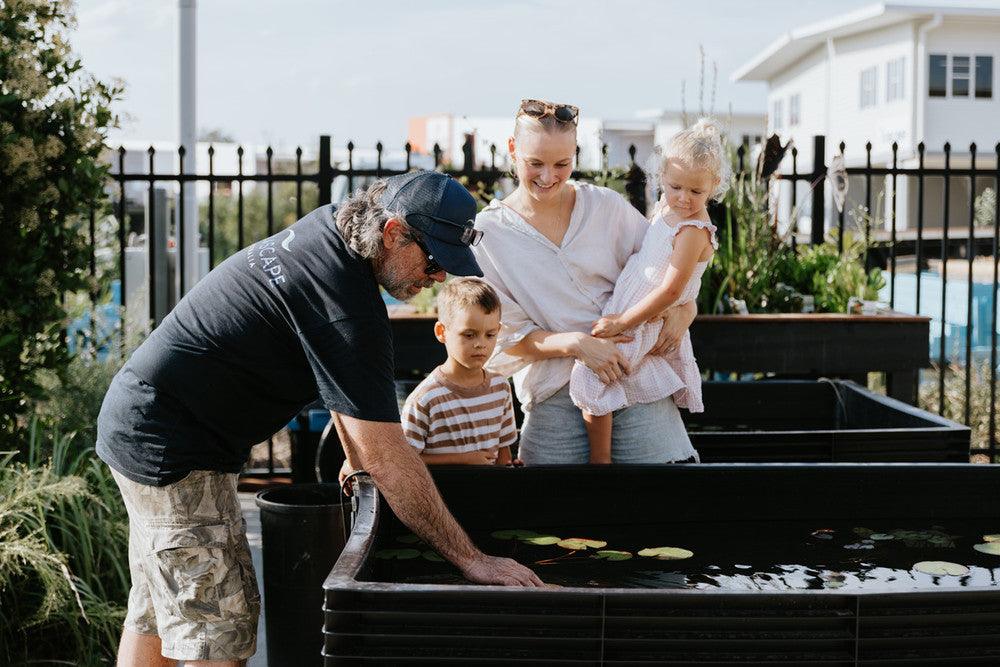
[
  {"x": 635, "y": 183},
  {"x": 325, "y": 170},
  {"x": 819, "y": 189},
  {"x": 468, "y": 155}
]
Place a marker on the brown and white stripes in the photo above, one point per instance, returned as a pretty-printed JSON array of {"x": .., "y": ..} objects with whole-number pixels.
[{"x": 441, "y": 417}]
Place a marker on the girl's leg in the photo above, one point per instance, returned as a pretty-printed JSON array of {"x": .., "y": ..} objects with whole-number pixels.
[{"x": 599, "y": 434}]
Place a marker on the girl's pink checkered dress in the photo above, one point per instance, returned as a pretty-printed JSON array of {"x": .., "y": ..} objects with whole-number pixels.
[{"x": 652, "y": 377}]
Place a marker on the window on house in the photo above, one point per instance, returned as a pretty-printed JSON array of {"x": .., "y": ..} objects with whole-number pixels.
[
  {"x": 960, "y": 76},
  {"x": 895, "y": 75},
  {"x": 937, "y": 76},
  {"x": 869, "y": 82},
  {"x": 745, "y": 140},
  {"x": 777, "y": 114},
  {"x": 793, "y": 109},
  {"x": 984, "y": 77},
  {"x": 757, "y": 138}
]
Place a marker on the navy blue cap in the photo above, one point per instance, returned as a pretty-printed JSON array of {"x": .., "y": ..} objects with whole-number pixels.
[{"x": 444, "y": 211}]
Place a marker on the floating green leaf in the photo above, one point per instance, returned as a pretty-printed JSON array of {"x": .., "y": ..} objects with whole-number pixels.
[
  {"x": 542, "y": 540},
  {"x": 881, "y": 536},
  {"x": 610, "y": 554},
  {"x": 433, "y": 556},
  {"x": 992, "y": 548},
  {"x": 408, "y": 539},
  {"x": 941, "y": 567},
  {"x": 666, "y": 553},
  {"x": 514, "y": 534},
  {"x": 863, "y": 532},
  {"x": 397, "y": 554},
  {"x": 581, "y": 543}
]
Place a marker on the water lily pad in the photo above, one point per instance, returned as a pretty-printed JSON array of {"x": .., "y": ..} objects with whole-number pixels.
[
  {"x": 881, "y": 536},
  {"x": 581, "y": 543},
  {"x": 941, "y": 567},
  {"x": 408, "y": 539},
  {"x": 542, "y": 540},
  {"x": 859, "y": 546},
  {"x": 433, "y": 556},
  {"x": 514, "y": 534},
  {"x": 823, "y": 534},
  {"x": 863, "y": 532},
  {"x": 397, "y": 554},
  {"x": 992, "y": 548},
  {"x": 610, "y": 554},
  {"x": 666, "y": 553},
  {"x": 991, "y": 538}
]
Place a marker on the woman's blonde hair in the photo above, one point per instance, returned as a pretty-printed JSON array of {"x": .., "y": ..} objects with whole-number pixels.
[{"x": 700, "y": 146}]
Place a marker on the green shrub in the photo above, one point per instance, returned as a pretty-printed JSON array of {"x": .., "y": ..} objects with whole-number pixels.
[
  {"x": 54, "y": 120},
  {"x": 64, "y": 576}
]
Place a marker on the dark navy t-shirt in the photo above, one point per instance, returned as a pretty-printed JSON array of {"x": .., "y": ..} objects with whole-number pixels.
[{"x": 252, "y": 343}]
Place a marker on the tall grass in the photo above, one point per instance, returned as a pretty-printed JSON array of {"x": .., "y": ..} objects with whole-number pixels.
[{"x": 64, "y": 576}]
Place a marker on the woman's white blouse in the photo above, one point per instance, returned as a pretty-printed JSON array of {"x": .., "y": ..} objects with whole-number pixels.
[{"x": 554, "y": 288}]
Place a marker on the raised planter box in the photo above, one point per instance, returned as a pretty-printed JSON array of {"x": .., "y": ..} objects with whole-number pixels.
[
  {"x": 813, "y": 345},
  {"x": 371, "y": 622},
  {"x": 817, "y": 345},
  {"x": 818, "y": 422}
]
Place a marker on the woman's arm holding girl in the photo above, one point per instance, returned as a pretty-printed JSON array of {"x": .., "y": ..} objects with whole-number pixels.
[{"x": 689, "y": 243}]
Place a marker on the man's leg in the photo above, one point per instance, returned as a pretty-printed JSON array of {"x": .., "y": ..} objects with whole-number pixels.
[
  {"x": 194, "y": 562},
  {"x": 137, "y": 650}
]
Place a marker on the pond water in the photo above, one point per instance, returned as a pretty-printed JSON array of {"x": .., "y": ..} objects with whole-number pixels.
[{"x": 766, "y": 556}]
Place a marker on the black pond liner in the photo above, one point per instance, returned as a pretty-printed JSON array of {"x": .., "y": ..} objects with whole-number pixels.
[
  {"x": 368, "y": 623},
  {"x": 825, "y": 421}
]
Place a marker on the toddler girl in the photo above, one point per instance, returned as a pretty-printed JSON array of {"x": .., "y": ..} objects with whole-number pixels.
[{"x": 665, "y": 272}]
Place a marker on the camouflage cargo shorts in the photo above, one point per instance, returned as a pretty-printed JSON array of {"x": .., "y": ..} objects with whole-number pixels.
[{"x": 193, "y": 582}]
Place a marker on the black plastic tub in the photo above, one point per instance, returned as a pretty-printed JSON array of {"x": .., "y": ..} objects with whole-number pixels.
[
  {"x": 369, "y": 622},
  {"x": 302, "y": 534},
  {"x": 826, "y": 421}
]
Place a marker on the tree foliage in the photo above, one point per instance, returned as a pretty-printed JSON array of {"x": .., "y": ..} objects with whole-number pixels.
[{"x": 54, "y": 120}]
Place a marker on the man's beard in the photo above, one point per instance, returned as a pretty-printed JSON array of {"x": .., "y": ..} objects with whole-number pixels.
[{"x": 397, "y": 286}]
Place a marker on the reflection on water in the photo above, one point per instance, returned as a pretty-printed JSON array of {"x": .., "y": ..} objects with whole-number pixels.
[{"x": 771, "y": 556}]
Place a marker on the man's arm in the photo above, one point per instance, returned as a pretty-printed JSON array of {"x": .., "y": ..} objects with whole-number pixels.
[{"x": 380, "y": 449}]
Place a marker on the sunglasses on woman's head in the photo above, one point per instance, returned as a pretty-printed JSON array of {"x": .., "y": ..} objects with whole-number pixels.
[{"x": 564, "y": 113}]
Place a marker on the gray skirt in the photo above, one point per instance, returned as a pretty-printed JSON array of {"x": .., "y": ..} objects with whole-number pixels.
[{"x": 553, "y": 433}]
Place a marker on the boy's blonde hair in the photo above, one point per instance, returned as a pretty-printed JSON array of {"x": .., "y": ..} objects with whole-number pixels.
[
  {"x": 701, "y": 147},
  {"x": 463, "y": 293}
]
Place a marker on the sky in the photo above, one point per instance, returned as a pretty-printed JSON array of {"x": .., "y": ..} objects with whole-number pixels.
[{"x": 284, "y": 73}]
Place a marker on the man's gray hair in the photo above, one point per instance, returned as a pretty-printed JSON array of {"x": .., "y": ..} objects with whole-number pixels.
[{"x": 362, "y": 217}]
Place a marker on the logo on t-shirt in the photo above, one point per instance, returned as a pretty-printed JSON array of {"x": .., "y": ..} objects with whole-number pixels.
[
  {"x": 265, "y": 255},
  {"x": 288, "y": 240}
]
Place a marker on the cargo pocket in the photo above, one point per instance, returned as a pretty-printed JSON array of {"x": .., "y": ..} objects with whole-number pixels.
[{"x": 197, "y": 572}]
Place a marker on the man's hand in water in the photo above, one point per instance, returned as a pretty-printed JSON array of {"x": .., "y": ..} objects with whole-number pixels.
[{"x": 500, "y": 572}]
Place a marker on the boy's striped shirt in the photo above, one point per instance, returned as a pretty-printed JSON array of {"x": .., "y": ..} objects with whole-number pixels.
[{"x": 443, "y": 418}]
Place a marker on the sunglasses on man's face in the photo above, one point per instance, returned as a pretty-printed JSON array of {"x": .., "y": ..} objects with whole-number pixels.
[
  {"x": 432, "y": 265},
  {"x": 564, "y": 113}
]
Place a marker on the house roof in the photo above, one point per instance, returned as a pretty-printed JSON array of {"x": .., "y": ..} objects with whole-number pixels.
[{"x": 795, "y": 44}]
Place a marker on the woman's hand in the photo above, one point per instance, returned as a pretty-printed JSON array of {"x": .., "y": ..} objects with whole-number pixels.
[
  {"x": 675, "y": 323},
  {"x": 602, "y": 356},
  {"x": 608, "y": 326}
]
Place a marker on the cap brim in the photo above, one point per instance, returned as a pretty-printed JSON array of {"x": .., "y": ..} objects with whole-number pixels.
[{"x": 457, "y": 260}]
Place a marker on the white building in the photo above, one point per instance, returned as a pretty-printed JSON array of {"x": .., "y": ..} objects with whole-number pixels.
[{"x": 890, "y": 72}]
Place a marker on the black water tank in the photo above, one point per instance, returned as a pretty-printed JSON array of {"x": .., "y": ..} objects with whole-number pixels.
[{"x": 302, "y": 531}]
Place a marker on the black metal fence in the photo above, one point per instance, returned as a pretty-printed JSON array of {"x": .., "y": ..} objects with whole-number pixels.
[{"x": 885, "y": 248}]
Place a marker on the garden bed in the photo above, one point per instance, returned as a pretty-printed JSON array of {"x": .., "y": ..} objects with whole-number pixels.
[
  {"x": 919, "y": 619},
  {"x": 811, "y": 345},
  {"x": 818, "y": 422}
]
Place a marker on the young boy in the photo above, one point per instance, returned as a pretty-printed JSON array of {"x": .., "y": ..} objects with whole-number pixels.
[{"x": 461, "y": 413}]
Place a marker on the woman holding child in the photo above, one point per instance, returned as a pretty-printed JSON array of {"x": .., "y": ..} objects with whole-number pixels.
[{"x": 554, "y": 249}]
